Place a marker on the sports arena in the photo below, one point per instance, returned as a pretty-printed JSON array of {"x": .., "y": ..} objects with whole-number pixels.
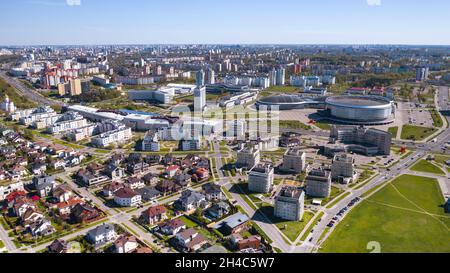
[{"x": 360, "y": 109}]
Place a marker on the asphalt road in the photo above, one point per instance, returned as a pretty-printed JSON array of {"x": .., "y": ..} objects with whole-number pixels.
[{"x": 27, "y": 92}]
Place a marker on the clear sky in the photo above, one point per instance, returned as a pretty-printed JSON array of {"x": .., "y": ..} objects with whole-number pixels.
[{"x": 30, "y": 22}]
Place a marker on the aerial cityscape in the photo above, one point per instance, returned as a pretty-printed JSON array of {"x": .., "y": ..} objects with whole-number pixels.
[{"x": 140, "y": 137}]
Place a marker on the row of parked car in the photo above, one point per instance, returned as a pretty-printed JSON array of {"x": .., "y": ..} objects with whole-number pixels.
[{"x": 343, "y": 211}]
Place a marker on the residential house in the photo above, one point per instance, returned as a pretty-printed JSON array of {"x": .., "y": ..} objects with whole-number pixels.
[
  {"x": 101, "y": 235},
  {"x": 190, "y": 240},
  {"x": 148, "y": 193},
  {"x": 114, "y": 172},
  {"x": 154, "y": 215},
  {"x": 233, "y": 224},
  {"x": 44, "y": 185},
  {"x": 138, "y": 168},
  {"x": 252, "y": 242},
  {"x": 84, "y": 213},
  {"x": 110, "y": 189},
  {"x": 126, "y": 197},
  {"x": 125, "y": 244},
  {"x": 134, "y": 183},
  {"x": 172, "y": 227},
  {"x": 218, "y": 210},
  {"x": 212, "y": 192},
  {"x": 191, "y": 200}
]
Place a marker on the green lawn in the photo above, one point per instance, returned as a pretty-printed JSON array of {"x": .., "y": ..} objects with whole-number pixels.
[
  {"x": 416, "y": 132},
  {"x": 283, "y": 89},
  {"x": 393, "y": 131},
  {"x": 189, "y": 223},
  {"x": 2, "y": 245},
  {"x": 427, "y": 167},
  {"x": 404, "y": 216},
  {"x": 293, "y": 124},
  {"x": 323, "y": 125},
  {"x": 291, "y": 229},
  {"x": 440, "y": 159}
]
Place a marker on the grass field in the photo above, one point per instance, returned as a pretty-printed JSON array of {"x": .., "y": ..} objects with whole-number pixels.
[
  {"x": 404, "y": 216},
  {"x": 284, "y": 89},
  {"x": 323, "y": 125},
  {"x": 427, "y": 167},
  {"x": 393, "y": 131},
  {"x": 293, "y": 124},
  {"x": 291, "y": 229},
  {"x": 416, "y": 132}
]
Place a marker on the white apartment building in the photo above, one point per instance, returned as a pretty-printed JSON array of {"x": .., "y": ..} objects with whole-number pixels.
[
  {"x": 260, "y": 178},
  {"x": 66, "y": 122},
  {"x": 290, "y": 204},
  {"x": 294, "y": 161}
]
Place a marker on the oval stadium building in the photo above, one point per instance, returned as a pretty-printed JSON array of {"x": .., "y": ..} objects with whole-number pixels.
[{"x": 360, "y": 108}]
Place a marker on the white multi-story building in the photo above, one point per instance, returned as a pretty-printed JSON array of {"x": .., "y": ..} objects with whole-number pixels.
[
  {"x": 248, "y": 158},
  {"x": 111, "y": 132},
  {"x": 38, "y": 114},
  {"x": 66, "y": 122},
  {"x": 164, "y": 96},
  {"x": 280, "y": 76},
  {"x": 304, "y": 81},
  {"x": 318, "y": 183},
  {"x": 294, "y": 160},
  {"x": 199, "y": 99},
  {"x": 260, "y": 178},
  {"x": 342, "y": 168},
  {"x": 290, "y": 203},
  {"x": 200, "y": 78},
  {"x": 191, "y": 144},
  {"x": 150, "y": 143}
]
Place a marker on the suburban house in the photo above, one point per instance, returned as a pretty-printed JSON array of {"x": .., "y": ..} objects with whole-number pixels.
[
  {"x": 172, "y": 227},
  {"x": 83, "y": 213},
  {"x": 233, "y": 224},
  {"x": 212, "y": 192},
  {"x": 110, "y": 189},
  {"x": 134, "y": 183},
  {"x": 114, "y": 172},
  {"x": 101, "y": 235},
  {"x": 154, "y": 215},
  {"x": 218, "y": 210},
  {"x": 191, "y": 200},
  {"x": 252, "y": 242},
  {"x": 126, "y": 197},
  {"x": 44, "y": 185},
  {"x": 190, "y": 240},
  {"x": 125, "y": 244}
]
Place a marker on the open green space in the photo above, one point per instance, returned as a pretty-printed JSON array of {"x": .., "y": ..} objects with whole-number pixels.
[
  {"x": 427, "y": 167},
  {"x": 293, "y": 124},
  {"x": 283, "y": 89},
  {"x": 404, "y": 216},
  {"x": 189, "y": 223},
  {"x": 393, "y": 131},
  {"x": 412, "y": 132},
  {"x": 291, "y": 229},
  {"x": 323, "y": 125}
]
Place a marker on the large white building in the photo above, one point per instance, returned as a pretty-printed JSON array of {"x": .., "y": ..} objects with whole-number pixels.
[
  {"x": 38, "y": 114},
  {"x": 248, "y": 158},
  {"x": 111, "y": 132},
  {"x": 150, "y": 143},
  {"x": 163, "y": 95},
  {"x": 290, "y": 203},
  {"x": 318, "y": 183},
  {"x": 200, "y": 78},
  {"x": 199, "y": 99},
  {"x": 66, "y": 122},
  {"x": 260, "y": 178},
  {"x": 343, "y": 168},
  {"x": 294, "y": 161}
]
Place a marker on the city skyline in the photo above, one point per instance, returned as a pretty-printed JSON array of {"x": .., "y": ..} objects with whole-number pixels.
[{"x": 83, "y": 22}]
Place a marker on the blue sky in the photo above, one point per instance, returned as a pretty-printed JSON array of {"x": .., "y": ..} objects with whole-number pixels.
[{"x": 25, "y": 22}]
